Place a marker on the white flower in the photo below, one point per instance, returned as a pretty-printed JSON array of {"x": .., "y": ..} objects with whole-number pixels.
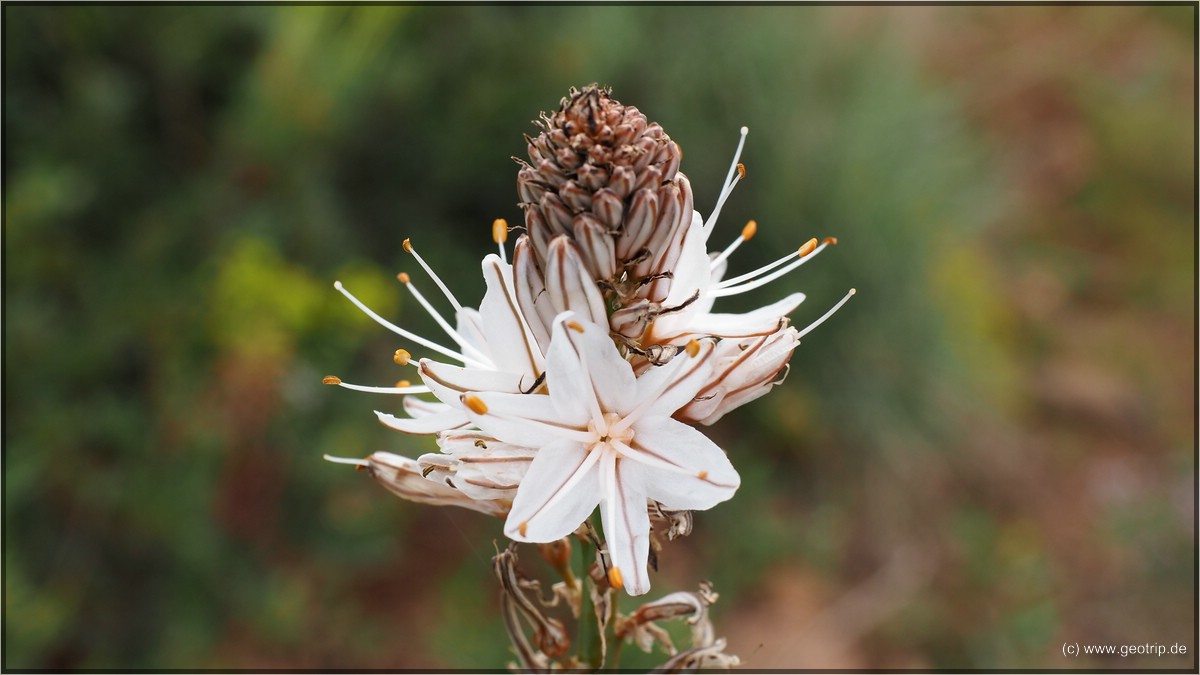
[
  {"x": 605, "y": 438},
  {"x": 496, "y": 348}
]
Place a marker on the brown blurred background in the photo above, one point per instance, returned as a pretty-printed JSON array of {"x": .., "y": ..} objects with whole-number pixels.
[{"x": 990, "y": 452}]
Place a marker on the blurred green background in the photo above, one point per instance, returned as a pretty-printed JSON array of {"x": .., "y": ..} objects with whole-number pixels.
[{"x": 989, "y": 452}]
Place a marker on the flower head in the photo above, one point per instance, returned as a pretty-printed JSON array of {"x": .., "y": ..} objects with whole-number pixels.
[
  {"x": 605, "y": 438},
  {"x": 574, "y": 384}
]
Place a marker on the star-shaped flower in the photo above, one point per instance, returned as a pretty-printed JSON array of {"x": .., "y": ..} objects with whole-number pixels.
[{"x": 605, "y": 438}]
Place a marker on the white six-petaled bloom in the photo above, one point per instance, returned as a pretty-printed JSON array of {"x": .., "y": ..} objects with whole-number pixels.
[{"x": 605, "y": 438}]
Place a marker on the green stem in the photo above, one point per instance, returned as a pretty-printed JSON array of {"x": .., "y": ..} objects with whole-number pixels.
[{"x": 590, "y": 652}]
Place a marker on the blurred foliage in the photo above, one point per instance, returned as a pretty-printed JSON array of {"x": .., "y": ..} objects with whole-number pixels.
[{"x": 988, "y": 452}]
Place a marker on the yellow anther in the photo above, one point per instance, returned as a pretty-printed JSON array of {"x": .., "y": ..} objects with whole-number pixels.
[
  {"x": 692, "y": 348},
  {"x": 476, "y": 404},
  {"x": 403, "y": 383},
  {"x": 830, "y": 240},
  {"x": 749, "y": 230},
  {"x": 499, "y": 230},
  {"x": 808, "y": 247},
  {"x": 703, "y": 475},
  {"x": 614, "y": 578},
  {"x": 575, "y": 326},
  {"x": 403, "y": 276},
  {"x": 401, "y": 357},
  {"x": 330, "y": 379},
  {"x": 407, "y": 246},
  {"x": 523, "y": 528},
  {"x": 741, "y": 171}
]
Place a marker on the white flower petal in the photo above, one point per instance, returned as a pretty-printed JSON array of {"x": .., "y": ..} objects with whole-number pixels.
[
  {"x": 469, "y": 325},
  {"x": 484, "y": 468},
  {"x": 529, "y": 420},
  {"x": 428, "y": 424},
  {"x": 448, "y": 382},
  {"x": 530, "y": 289},
  {"x": 626, "y": 522},
  {"x": 419, "y": 407},
  {"x": 512, "y": 347},
  {"x": 762, "y": 321},
  {"x": 693, "y": 270},
  {"x": 664, "y": 389},
  {"x": 687, "y": 471},
  {"x": 731, "y": 400},
  {"x": 403, "y": 477},
  {"x": 559, "y": 492},
  {"x": 585, "y": 368}
]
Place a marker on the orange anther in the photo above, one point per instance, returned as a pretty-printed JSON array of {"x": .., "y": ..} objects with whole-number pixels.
[
  {"x": 703, "y": 475},
  {"x": 476, "y": 404},
  {"x": 403, "y": 383},
  {"x": 401, "y": 357},
  {"x": 407, "y": 246},
  {"x": 330, "y": 379},
  {"x": 614, "y": 578},
  {"x": 741, "y": 169},
  {"x": 575, "y": 326},
  {"x": 692, "y": 348},
  {"x": 403, "y": 276},
  {"x": 808, "y": 247},
  {"x": 499, "y": 230},
  {"x": 750, "y": 229},
  {"x": 829, "y": 240}
]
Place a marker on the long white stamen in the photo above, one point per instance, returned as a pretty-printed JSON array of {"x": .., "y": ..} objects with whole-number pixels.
[
  {"x": 826, "y": 315},
  {"x": 437, "y": 280},
  {"x": 416, "y": 389},
  {"x": 747, "y": 232},
  {"x": 737, "y": 154},
  {"x": 762, "y": 270},
  {"x": 467, "y": 347},
  {"x": 731, "y": 287},
  {"x": 500, "y": 235},
  {"x": 406, "y": 334},
  {"x": 346, "y": 460},
  {"x": 730, "y": 181}
]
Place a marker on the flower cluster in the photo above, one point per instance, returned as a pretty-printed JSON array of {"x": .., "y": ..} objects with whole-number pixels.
[{"x": 577, "y": 382}]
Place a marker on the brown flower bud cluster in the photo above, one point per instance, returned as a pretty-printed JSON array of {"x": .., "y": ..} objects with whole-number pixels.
[{"x": 604, "y": 180}]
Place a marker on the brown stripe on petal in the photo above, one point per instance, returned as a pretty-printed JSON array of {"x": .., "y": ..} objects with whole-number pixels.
[{"x": 509, "y": 296}]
